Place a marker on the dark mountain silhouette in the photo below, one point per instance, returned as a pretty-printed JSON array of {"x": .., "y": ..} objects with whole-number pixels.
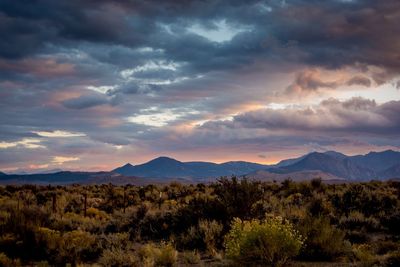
[
  {"x": 287, "y": 162},
  {"x": 378, "y": 161},
  {"x": 159, "y": 167},
  {"x": 335, "y": 164},
  {"x": 335, "y": 154},
  {"x": 374, "y": 165},
  {"x": 164, "y": 167},
  {"x": 391, "y": 173}
]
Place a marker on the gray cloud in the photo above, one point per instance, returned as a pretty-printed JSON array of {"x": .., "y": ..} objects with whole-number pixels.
[
  {"x": 359, "y": 80},
  {"x": 310, "y": 81},
  {"x": 86, "y": 101},
  {"x": 354, "y": 115}
]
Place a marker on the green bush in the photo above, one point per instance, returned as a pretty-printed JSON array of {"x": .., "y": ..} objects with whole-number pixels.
[{"x": 271, "y": 242}]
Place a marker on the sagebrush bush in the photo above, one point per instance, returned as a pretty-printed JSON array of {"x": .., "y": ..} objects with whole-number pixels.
[
  {"x": 163, "y": 255},
  {"x": 322, "y": 240},
  {"x": 210, "y": 231},
  {"x": 271, "y": 242},
  {"x": 357, "y": 220},
  {"x": 116, "y": 240},
  {"x": 116, "y": 257},
  {"x": 191, "y": 257},
  {"x": 77, "y": 246},
  {"x": 364, "y": 254}
]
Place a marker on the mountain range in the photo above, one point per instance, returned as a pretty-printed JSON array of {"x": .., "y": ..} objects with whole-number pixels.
[
  {"x": 164, "y": 167},
  {"x": 329, "y": 166}
]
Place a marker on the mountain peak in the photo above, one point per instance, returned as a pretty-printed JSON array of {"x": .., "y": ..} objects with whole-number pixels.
[
  {"x": 315, "y": 154},
  {"x": 164, "y": 159},
  {"x": 127, "y": 165},
  {"x": 335, "y": 154}
]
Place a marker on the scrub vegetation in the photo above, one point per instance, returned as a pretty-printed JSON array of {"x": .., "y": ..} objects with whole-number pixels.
[{"x": 230, "y": 222}]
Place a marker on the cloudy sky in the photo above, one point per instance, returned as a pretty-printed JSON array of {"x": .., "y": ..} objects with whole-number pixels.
[{"x": 91, "y": 85}]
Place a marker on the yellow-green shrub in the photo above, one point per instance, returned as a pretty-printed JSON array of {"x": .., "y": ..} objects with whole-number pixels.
[{"x": 270, "y": 242}]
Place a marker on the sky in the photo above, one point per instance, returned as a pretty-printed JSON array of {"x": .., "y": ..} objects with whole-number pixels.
[{"x": 91, "y": 85}]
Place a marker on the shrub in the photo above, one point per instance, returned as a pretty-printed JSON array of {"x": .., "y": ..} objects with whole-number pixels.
[
  {"x": 118, "y": 258},
  {"x": 168, "y": 255},
  {"x": 70, "y": 247},
  {"x": 323, "y": 241},
  {"x": 191, "y": 257},
  {"x": 76, "y": 246},
  {"x": 270, "y": 242},
  {"x": 4, "y": 260},
  {"x": 238, "y": 196},
  {"x": 97, "y": 214},
  {"x": 7, "y": 262},
  {"x": 211, "y": 231},
  {"x": 364, "y": 255},
  {"x": 191, "y": 239},
  {"x": 162, "y": 255},
  {"x": 357, "y": 220},
  {"x": 117, "y": 240}
]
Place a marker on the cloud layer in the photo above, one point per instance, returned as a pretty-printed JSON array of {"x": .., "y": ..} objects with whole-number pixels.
[{"x": 106, "y": 82}]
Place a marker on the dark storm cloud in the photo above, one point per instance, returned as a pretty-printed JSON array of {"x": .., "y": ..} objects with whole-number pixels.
[{"x": 322, "y": 33}]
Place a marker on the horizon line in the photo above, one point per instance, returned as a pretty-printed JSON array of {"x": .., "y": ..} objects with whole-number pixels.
[{"x": 42, "y": 171}]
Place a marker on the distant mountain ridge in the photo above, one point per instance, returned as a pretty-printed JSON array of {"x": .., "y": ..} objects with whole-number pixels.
[
  {"x": 164, "y": 167},
  {"x": 374, "y": 165},
  {"x": 329, "y": 166}
]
